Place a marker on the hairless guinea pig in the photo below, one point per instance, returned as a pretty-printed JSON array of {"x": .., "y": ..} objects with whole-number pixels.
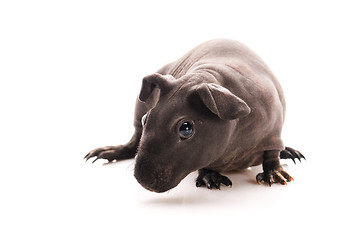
[{"x": 218, "y": 108}]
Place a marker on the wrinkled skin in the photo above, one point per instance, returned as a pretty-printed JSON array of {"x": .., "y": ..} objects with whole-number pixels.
[{"x": 218, "y": 108}]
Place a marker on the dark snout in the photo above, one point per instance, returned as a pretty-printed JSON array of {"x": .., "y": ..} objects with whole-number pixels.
[{"x": 155, "y": 177}]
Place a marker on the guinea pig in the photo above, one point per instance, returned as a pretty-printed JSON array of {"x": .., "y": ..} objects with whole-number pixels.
[{"x": 219, "y": 108}]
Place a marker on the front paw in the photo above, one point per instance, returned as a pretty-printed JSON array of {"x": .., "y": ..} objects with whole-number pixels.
[
  {"x": 111, "y": 153},
  {"x": 108, "y": 153},
  {"x": 211, "y": 179},
  {"x": 274, "y": 176}
]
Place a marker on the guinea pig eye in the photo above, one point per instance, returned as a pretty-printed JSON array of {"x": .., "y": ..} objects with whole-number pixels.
[
  {"x": 144, "y": 119},
  {"x": 186, "y": 130}
]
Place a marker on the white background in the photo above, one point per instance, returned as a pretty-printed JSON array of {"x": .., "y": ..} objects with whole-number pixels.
[{"x": 70, "y": 72}]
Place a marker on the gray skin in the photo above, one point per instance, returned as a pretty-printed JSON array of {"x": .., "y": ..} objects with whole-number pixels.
[{"x": 219, "y": 108}]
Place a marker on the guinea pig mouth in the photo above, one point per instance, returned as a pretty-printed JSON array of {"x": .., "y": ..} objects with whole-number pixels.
[
  {"x": 155, "y": 186},
  {"x": 155, "y": 179}
]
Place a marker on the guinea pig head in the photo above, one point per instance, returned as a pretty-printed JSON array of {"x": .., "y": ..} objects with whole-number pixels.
[{"x": 187, "y": 129}]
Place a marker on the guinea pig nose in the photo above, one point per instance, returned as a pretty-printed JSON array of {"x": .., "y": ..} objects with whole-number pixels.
[{"x": 152, "y": 179}]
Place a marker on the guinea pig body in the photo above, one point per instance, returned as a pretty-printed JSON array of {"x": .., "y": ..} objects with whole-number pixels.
[{"x": 216, "y": 109}]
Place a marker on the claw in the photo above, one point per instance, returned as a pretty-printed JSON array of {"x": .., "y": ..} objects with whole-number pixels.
[
  {"x": 270, "y": 182},
  {"x": 259, "y": 178},
  {"x": 226, "y": 181},
  {"x": 211, "y": 179},
  {"x": 96, "y": 152},
  {"x": 89, "y": 155},
  {"x": 281, "y": 179},
  {"x": 298, "y": 155},
  {"x": 271, "y": 177},
  {"x": 112, "y": 153},
  {"x": 95, "y": 160},
  {"x": 291, "y": 153}
]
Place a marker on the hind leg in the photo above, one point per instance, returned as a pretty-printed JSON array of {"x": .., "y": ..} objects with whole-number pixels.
[
  {"x": 291, "y": 153},
  {"x": 127, "y": 151},
  {"x": 272, "y": 170}
]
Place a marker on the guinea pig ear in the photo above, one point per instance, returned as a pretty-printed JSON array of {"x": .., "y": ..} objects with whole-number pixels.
[
  {"x": 222, "y": 102},
  {"x": 156, "y": 80}
]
